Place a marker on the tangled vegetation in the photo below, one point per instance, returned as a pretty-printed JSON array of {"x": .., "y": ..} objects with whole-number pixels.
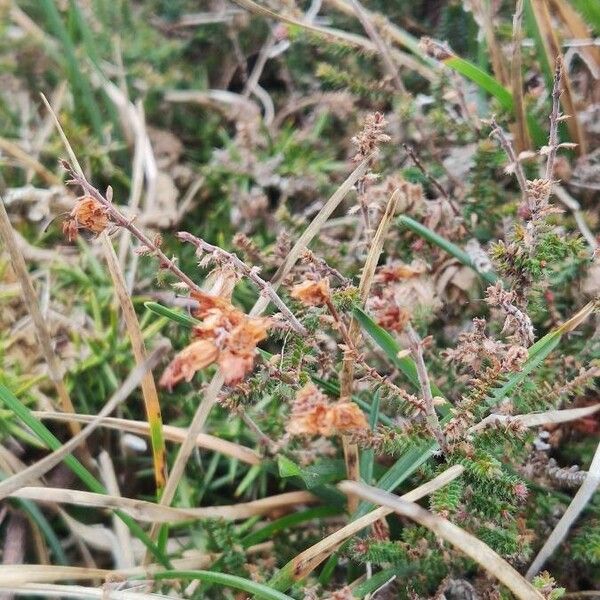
[{"x": 299, "y": 299}]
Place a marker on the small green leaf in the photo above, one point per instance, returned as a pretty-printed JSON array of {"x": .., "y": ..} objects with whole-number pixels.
[{"x": 175, "y": 315}]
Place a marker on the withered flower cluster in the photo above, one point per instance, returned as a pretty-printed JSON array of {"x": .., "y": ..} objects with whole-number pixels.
[
  {"x": 226, "y": 336},
  {"x": 88, "y": 213},
  {"x": 313, "y": 414}
]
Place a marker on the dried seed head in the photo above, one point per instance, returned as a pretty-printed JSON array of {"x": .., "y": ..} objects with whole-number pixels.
[{"x": 368, "y": 140}]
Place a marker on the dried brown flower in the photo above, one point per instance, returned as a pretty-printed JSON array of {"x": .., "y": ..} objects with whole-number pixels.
[
  {"x": 192, "y": 358},
  {"x": 312, "y": 414},
  {"x": 312, "y": 293},
  {"x": 226, "y": 336},
  {"x": 88, "y": 213}
]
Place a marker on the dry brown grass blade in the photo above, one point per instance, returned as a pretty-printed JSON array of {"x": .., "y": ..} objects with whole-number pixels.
[
  {"x": 467, "y": 543},
  {"x": 155, "y": 513},
  {"x": 55, "y": 367},
  {"x": 379, "y": 42},
  {"x": 484, "y": 8},
  {"x": 553, "y": 50},
  {"x": 522, "y": 139},
  {"x": 173, "y": 434},
  {"x": 79, "y": 591},
  {"x": 364, "y": 288},
  {"x": 151, "y": 403},
  {"x": 20, "y": 479},
  {"x": 578, "y": 28},
  {"x": 308, "y": 560},
  {"x": 579, "y": 502},
  {"x": 27, "y": 161},
  {"x": 537, "y": 419}
]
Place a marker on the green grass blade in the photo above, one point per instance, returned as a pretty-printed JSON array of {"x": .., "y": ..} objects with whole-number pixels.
[
  {"x": 84, "y": 95},
  {"x": 259, "y": 590},
  {"x": 391, "y": 348},
  {"x": 267, "y": 532},
  {"x": 444, "y": 244},
  {"x": 486, "y": 82},
  {"x": 367, "y": 457},
  {"x": 175, "y": 315}
]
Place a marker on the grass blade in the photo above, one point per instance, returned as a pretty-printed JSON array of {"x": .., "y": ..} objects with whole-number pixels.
[
  {"x": 239, "y": 583},
  {"x": 437, "y": 240}
]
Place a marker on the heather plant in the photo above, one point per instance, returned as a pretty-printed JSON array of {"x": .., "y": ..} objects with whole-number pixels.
[{"x": 299, "y": 300}]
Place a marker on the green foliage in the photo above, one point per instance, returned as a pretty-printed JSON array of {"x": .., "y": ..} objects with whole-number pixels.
[
  {"x": 586, "y": 543},
  {"x": 447, "y": 499}
]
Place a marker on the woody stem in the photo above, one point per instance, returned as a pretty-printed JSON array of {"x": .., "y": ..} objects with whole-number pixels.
[
  {"x": 416, "y": 348},
  {"x": 119, "y": 219},
  {"x": 241, "y": 266}
]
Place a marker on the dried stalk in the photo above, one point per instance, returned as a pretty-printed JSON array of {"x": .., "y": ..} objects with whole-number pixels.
[
  {"x": 467, "y": 543},
  {"x": 116, "y": 217},
  {"x": 150, "y": 512},
  {"x": 55, "y": 367},
  {"x": 522, "y": 139},
  {"x": 553, "y": 141},
  {"x": 386, "y": 56},
  {"x": 552, "y": 49},
  {"x": 172, "y": 434},
  {"x": 537, "y": 419},
  {"x": 352, "y": 335},
  {"x": 252, "y": 273},
  {"x": 329, "y": 33},
  {"x": 416, "y": 348},
  {"x": 507, "y": 146},
  {"x": 151, "y": 403}
]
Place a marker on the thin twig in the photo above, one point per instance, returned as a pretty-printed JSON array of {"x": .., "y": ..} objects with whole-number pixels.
[
  {"x": 265, "y": 287},
  {"x": 119, "y": 219},
  {"x": 507, "y": 146},
  {"x": 553, "y": 142},
  {"x": 365, "y": 20},
  {"x": 212, "y": 392},
  {"x": 416, "y": 348}
]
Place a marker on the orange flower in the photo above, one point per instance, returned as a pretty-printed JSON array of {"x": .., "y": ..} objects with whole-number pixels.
[
  {"x": 192, "y": 358},
  {"x": 312, "y": 293},
  {"x": 88, "y": 213},
  {"x": 226, "y": 336},
  {"x": 313, "y": 415}
]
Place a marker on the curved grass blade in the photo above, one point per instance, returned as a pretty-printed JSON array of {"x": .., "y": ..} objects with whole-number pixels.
[
  {"x": 447, "y": 246},
  {"x": 239, "y": 583},
  {"x": 175, "y": 315}
]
